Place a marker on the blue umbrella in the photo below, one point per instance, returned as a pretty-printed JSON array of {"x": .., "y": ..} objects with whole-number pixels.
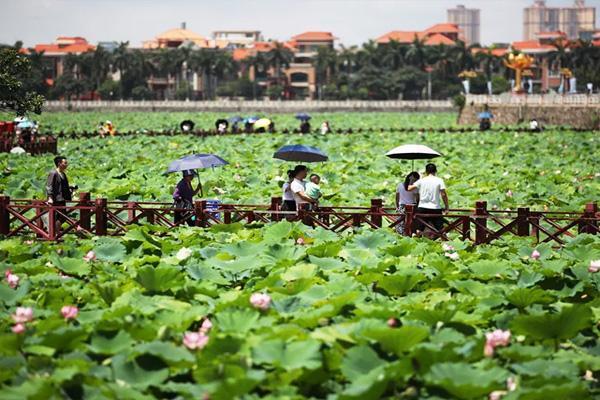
[
  {"x": 235, "y": 119},
  {"x": 303, "y": 116},
  {"x": 485, "y": 115},
  {"x": 300, "y": 153},
  {"x": 195, "y": 161},
  {"x": 25, "y": 124},
  {"x": 251, "y": 119}
]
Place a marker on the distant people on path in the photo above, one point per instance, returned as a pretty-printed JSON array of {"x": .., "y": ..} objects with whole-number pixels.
[
  {"x": 58, "y": 191},
  {"x": 313, "y": 190},
  {"x": 405, "y": 197},
  {"x": 183, "y": 197},
  {"x": 305, "y": 127},
  {"x": 534, "y": 126},
  {"x": 222, "y": 126},
  {"x": 325, "y": 128},
  {"x": 431, "y": 191},
  {"x": 485, "y": 119},
  {"x": 187, "y": 126}
]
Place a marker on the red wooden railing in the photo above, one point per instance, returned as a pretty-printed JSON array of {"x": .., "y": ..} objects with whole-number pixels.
[
  {"x": 86, "y": 217},
  {"x": 39, "y": 145}
]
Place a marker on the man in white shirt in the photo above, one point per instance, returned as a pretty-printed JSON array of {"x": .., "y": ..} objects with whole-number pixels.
[
  {"x": 298, "y": 187},
  {"x": 431, "y": 191}
]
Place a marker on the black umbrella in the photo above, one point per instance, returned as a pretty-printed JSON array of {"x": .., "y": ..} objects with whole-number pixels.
[{"x": 300, "y": 153}]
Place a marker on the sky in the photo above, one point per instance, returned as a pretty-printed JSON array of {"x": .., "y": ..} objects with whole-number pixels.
[{"x": 352, "y": 21}]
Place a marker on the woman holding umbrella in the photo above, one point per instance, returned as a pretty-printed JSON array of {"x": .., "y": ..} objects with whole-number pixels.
[{"x": 184, "y": 196}]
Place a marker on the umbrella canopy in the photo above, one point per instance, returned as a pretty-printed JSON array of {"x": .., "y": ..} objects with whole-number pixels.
[
  {"x": 300, "y": 153},
  {"x": 413, "y": 152},
  {"x": 485, "y": 115},
  {"x": 251, "y": 119},
  {"x": 26, "y": 124},
  {"x": 262, "y": 123},
  {"x": 303, "y": 116},
  {"x": 195, "y": 161},
  {"x": 235, "y": 119}
]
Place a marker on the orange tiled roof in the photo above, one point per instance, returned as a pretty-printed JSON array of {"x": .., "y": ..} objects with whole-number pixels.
[
  {"x": 50, "y": 49},
  {"x": 532, "y": 46},
  {"x": 443, "y": 28},
  {"x": 400, "y": 37},
  {"x": 498, "y": 52},
  {"x": 241, "y": 54},
  {"x": 314, "y": 37},
  {"x": 437, "y": 39}
]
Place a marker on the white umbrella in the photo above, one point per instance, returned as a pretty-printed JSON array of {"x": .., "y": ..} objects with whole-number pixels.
[
  {"x": 413, "y": 152},
  {"x": 17, "y": 150}
]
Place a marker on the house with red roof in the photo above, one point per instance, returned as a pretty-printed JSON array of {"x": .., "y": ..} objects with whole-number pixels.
[
  {"x": 55, "y": 53},
  {"x": 447, "y": 34}
]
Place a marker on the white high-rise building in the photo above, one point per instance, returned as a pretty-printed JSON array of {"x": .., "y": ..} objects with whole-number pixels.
[
  {"x": 570, "y": 20},
  {"x": 468, "y": 20}
]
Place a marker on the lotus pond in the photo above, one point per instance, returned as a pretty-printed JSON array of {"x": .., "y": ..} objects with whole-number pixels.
[{"x": 282, "y": 311}]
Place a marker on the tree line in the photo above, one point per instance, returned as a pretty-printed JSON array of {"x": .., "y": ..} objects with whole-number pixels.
[{"x": 371, "y": 71}]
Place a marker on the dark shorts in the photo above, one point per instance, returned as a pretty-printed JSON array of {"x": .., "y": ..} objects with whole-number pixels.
[
  {"x": 288, "y": 205},
  {"x": 437, "y": 222}
]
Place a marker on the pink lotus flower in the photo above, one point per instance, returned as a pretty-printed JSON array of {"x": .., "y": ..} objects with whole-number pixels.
[
  {"x": 12, "y": 279},
  {"x": 452, "y": 256},
  {"x": 497, "y": 394},
  {"x": 28, "y": 242},
  {"x": 535, "y": 255},
  {"x": 195, "y": 340},
  {"x": 262, "y": 301},
  {"x": 594, "y": 266},
  {"x": 206, "y": 326},
  {"x": 18, "y": 328},
  {"x": 447, "y": 247},
  {"x": 509, "y": 193},
  {"x": 511, "y": 384},
  {"x": 495, "y": 339},
  {"x": 22, "y": 315},
  {"x": 300, "y": 241},
  {"x": 90, "y": 256},
  {"x": 69, "y": 312},
  {"x": 392, "y": 322}
]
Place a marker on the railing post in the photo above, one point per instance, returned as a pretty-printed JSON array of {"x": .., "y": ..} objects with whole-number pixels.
[
  {"x": 227, "y": 213},
  {"x": 409, "y": 216},
  {"x": 39, "y": 204},
  {"x": 356, "y": 219},
  {"x": 480, "y": 222},
  {"x": 376, "y": 207},
  {"x": 466, "y": 228},
  {"x": 535, "y": 217},
  {"x": 4, "y": 215},
  {"x": 523, "y": 221},
  {"x": 131, "y": 211},
  {"x": 101, "y": 217},
  {"x": 199, "y": 209},
  {"x": 590, "y": 226},
  {"x": 275, "y": 206},
  {"x": 85, "y": 216},
  {"x": 52, "y": 222}
]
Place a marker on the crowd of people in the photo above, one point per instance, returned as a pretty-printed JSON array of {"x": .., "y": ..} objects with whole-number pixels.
[{"x": 426, "y": 193}]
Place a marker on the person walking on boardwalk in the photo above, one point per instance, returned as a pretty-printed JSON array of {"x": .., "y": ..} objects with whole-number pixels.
[
  {"x": 288, "y": 197},
  {"x": 183, "y": 197},
  {"x": 404, "y": 197},
  {"x": 58, "y": 191},
  {"x": 431, "y": 191}
]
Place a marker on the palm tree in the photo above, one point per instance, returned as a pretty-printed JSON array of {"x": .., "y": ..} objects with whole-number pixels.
[
  {"x": 121, "y": 61},
  {"x": 417, "y": 53},
  {"x": 394, "y": 55},
  {"x": 368, "y": 55},
  {"x": 463, "y": 56},
  {"x": 347, "y": 58},
  {"x": 326, "y": 64},
  {"x": 278, "y": 58}
]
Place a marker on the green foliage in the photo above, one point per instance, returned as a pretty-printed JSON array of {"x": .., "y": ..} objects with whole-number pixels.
[{"x": 15, "y": 71}]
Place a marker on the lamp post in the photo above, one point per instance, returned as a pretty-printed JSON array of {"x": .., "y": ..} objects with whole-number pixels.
[{"x": 429, "y": 69}]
